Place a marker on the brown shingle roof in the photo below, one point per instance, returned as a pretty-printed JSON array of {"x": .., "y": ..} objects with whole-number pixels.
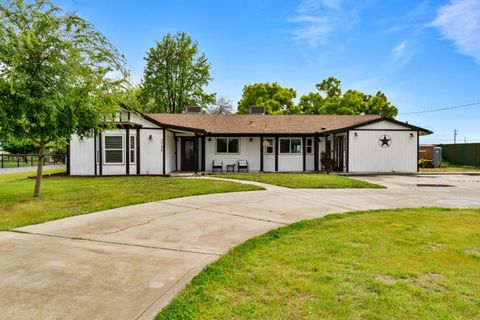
[{"x": 260, "y": 124}]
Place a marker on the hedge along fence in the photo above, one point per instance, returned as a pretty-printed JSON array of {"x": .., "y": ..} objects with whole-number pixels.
[{"x": 464, "y": 154}]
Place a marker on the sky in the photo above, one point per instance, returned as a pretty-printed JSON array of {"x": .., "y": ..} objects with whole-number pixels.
[{"x": 423, "y": 54}]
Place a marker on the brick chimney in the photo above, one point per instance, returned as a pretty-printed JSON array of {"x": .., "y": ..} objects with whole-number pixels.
[
  {"x": 193, "y": 110},
  {"x": 257, "y": 110}
]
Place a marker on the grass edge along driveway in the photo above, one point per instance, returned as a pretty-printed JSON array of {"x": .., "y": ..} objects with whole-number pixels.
[
  {"x": 386, "y": 264},
  {"x": 301, "y": 180},
  {"x": 64, "y": 196}
]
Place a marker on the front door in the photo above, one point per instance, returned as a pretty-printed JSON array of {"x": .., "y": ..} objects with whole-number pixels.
[
  {"x": 188, "y": 154},
  {"x": 340, "y": 152}
]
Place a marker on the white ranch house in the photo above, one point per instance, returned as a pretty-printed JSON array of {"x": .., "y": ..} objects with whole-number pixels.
[{"x": 159, "y": 144}]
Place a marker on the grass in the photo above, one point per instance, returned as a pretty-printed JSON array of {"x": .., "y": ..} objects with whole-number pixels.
[
  {"x": 392, "y": 264},
  {"x": 64, "y": 196},
  {"x": 302, "y": 180}
]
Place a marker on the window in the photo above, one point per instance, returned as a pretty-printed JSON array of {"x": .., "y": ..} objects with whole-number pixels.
[
  {"x": 133, "y": 149},
  {"x": 309, "y": 146},
  {"x": 269, "y": 147},
  {"x": 293, "y": 146},
  {"x": 113, "y": 149},
  {"x": 228, "y": 145}
]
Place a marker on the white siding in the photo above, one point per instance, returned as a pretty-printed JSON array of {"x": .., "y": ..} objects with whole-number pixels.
[
  {"x": 384, "y": 125},
  {"x": 249, "y": 150},
  {"x": 366, "y": 154},
  {"x": 82, "y": 156},
  {"x": 151, "y": 159}
]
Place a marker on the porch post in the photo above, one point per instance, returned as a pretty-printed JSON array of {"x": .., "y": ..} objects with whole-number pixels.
[
  {"x": 304, "y": 152},
  {"x": 163, "y": 151},
  {"x": 68, "y": 157},
  {"x": 127, "y": 151},
  {"x": 138, "y": 151},
  {"x": 315, "y": 147},
  {"x": 418, "y": 151},
  {"x": 276, "y": 153},
  {"x": 335, "y": 148},
  {"x": 100, "y": 143},
  {"x": 261, "y": 153},
  {"x": 95, "y": 151},
  {"x": 195, "y": 152},
  {"x": 203, "y": 153},
  {"x": 176, "y": 150},
  {"x": 348, "y": 152}
]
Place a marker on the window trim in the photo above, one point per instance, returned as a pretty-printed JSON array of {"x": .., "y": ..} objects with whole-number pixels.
[
  {"x": 307, "y": 146},
  {"x": 266, "y": 147},
  {"x": 228, "y": 138},
  {"x": 290, "y": 146},
  {"x": 104, "y": 151},
  {"x": 134, "y": 149}
]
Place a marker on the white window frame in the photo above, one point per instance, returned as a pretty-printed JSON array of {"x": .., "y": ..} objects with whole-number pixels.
[
  {"x": 273, "y": 146},
  {"x": 228, "y": 138},
  {"x": 97, "y": 150},
  {"x": 134, "y": 149},
  {"x": 105, "y": 149},
  {"x": 309, "y": 146},
  {"x": 290, "y": 146}
]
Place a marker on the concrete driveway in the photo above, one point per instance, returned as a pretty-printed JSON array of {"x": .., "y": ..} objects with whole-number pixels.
[{"x": 128, "y": 263}]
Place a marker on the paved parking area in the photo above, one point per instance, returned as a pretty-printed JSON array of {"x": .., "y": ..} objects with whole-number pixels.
[{"x": 128, "y": 263}]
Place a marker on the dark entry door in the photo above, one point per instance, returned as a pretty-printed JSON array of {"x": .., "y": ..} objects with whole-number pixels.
[
  {"x": 188, "y": 154},
  {"x": 340, "y": 152}
]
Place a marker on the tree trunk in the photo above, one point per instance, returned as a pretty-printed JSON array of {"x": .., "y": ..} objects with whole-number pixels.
[{"x": 38, "y": 179}]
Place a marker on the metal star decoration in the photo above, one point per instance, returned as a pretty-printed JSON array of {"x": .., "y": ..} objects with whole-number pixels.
[{"x": 385, "y": 141}]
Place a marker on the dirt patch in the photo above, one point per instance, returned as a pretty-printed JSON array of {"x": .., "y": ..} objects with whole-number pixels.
[
  {"x": 435, "y": 246},
  {"x": 386, "y": 279},
  {"x": 473, "y": 252},
  {"x": 430, "y": 282}
]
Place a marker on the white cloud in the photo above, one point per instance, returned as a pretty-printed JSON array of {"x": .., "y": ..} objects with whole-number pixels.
[
  {"x": 401, "y": 54},
  {"x": 315, "y": 20},
  {"x": 459, "y": 21}
]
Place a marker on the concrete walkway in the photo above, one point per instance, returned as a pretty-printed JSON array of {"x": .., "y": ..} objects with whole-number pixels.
[{"x": 128, "y": 263}]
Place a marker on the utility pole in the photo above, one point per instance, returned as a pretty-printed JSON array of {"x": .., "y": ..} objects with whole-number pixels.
[{"x": 455, "y": 133}]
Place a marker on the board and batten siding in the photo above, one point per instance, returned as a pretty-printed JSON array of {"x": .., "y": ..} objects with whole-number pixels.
[
  {"x": 366, "y": 154},
  {"x": 249, "y": 150}
]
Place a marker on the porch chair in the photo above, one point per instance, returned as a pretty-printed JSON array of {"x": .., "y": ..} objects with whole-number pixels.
[
  {"x": 242, "y": 165},
  {"x": 217, "y": 164}
]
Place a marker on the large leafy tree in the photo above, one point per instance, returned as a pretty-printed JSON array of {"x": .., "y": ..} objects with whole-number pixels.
[
  {"x": 54, "y": 75},
  {"x": 275, "y": 98},
  {"x": 175, "y": 76},
  {"x": 329, "y": 99}
]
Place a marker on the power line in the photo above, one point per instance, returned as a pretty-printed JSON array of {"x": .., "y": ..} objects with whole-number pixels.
[{"x": 441, "y": 109}]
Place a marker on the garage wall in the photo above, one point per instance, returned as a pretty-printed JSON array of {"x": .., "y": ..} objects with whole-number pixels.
[
  {"x": 82, "y": 156},
  {"x": 366, "y": 154}
]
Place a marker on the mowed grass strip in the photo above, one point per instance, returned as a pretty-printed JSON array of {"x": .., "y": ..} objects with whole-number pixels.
[
  {"x": 302, "y": 180},
  {"x": 64, "y": 196},
  {"x": 393, "y": 264}
]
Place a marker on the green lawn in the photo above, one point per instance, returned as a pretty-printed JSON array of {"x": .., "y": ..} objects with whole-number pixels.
[
  {"x": 392, "y": 264},
  {"x": 302, "y": 180},
  {"x": 64, "y": 196}
]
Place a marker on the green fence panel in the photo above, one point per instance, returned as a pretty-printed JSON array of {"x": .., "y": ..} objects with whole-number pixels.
[{"x": 464, "y": 154}]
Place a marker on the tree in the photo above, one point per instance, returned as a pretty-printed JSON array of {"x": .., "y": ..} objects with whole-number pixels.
[
  {"x": 54, "y": 75},
  {"x": 275, "y": 98},
  {"x": 175, "y": 75},
  {"x": 20, "y": 146},
  {"x": 334, "y": 101},
  {"x": 222, "y": 106}
]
